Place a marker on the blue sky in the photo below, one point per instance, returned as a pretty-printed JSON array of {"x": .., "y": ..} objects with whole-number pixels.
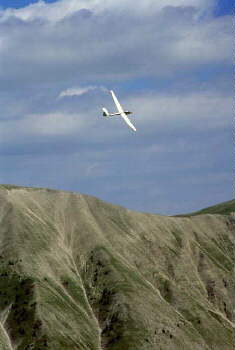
[
  {"x": 19, "y": 3},
  {"x": 170, "y": 62},
  {"x": 225, "y": 7}
]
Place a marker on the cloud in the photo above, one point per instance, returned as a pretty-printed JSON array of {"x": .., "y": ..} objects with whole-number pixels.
[
  {"x": 60, "y": 42},
  {"x": 34, "y": 127},
  {"x": 52, "y": 124},
  {"x": 61, "y": 9},
  {"x": 41, "y": 10},
  {"x": 199, "y": 110},
  {"x": 152, "y": 113},
  {"x": 78, "y": 91},
  {"x": 197, "y": 45}
]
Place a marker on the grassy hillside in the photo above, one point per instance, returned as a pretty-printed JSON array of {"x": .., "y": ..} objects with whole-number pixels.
[
  {"x": 224, "y": 208},
  {"x": 80, "y": 274}
]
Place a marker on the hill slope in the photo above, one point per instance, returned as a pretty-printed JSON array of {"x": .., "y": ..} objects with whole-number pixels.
[
  {"x": 80, "y": 274},
  {"x": 224, "y": 208}
]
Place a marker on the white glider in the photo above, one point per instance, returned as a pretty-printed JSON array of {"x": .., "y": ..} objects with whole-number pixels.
[{"x": 121, "y": 112}]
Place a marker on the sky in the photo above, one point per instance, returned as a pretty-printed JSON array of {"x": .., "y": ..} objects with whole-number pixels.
[{"x": 170, "y": 62}]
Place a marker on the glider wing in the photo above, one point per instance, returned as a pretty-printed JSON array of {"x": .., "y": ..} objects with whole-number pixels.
[
  {"x": 121, "y": 111},
  {"x": 119, "y": 107}
]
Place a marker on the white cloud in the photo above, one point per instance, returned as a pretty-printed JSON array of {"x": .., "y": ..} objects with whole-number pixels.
[
  {"x": 78, "y": 91},
  {"x": 112, "y": 45},
  {"x": 210, "y": 42},
  {"x": 42, "y": 10},
  {"x": 53, "y": 124},
  {"x": 152, "y": 112},
  {"x": 32, "y": 127},
  {"x": 201, "y": 109},
  {"x": 108, "y": 48},
  {"x": 58, "y": 10}
]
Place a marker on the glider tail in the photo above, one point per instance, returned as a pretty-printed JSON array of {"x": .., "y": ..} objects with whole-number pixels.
[{"x": 105, "y": 112}]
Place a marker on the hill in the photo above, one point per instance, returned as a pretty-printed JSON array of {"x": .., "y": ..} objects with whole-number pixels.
[
  {"x": 78, "y": 273},
  {"x": 224, "y": 208}
]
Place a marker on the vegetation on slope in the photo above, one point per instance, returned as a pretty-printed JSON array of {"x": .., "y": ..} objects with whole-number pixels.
[
  {"x": 78, "y": 273},
  {"x": 224, "y": 208}
]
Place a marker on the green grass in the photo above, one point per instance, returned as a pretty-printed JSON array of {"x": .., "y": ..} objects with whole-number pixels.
[{"x": 224, "y": 208}]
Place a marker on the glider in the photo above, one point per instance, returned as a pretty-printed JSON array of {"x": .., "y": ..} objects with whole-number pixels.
[{"x": 121, "y": 112}]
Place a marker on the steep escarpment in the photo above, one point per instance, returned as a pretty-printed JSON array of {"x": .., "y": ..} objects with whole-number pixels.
[{"x": 79, "y": 273}]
